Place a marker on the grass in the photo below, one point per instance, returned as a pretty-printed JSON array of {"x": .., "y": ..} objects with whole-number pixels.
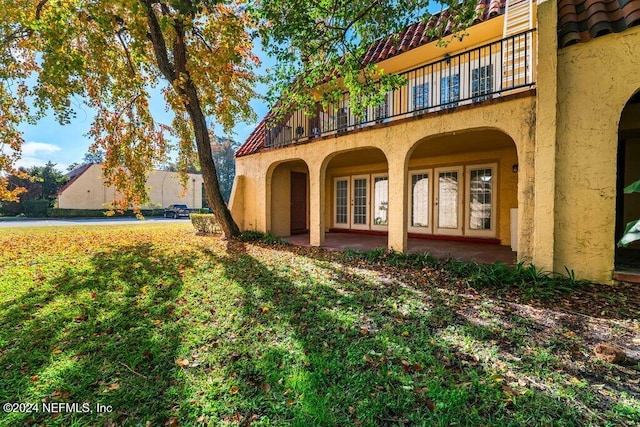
[{"x": 168, "y": 328}]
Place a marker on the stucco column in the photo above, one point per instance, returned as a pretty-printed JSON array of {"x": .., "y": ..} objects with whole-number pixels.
[
  {"x": 546, "y": 136},
  {"x": 397, "y": 204},
  {"x": 316, "y": 204}
]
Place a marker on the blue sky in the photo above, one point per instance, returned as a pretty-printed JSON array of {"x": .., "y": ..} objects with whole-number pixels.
[{"x": 64, "y": 145}]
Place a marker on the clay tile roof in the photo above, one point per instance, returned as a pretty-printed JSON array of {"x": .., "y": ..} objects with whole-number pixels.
[
  {"x": 582, "y": 20},
  {"x": 413, "y": 36},
  {"x": 418, "y": 34}
]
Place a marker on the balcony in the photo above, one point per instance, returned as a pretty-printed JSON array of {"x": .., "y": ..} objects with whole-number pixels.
[{"x": 490, "y": 71}]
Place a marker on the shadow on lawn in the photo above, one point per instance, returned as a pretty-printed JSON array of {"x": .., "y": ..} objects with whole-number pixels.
[
  {"x": 358, "y": 352},
  {"x": 96, "y": 335},
  {"x": 301, "y": 340}
]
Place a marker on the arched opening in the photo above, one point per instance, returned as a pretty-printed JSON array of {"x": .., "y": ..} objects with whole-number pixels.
[
  {"x": 464, "y": 187},
  {"x": 289, "y": 199},
  {"x": 357, "y": 193},
  {"x": 627, "y": 259}
]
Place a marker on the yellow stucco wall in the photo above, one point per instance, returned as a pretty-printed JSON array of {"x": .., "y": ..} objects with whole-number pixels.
[
  {"x": 565, "y": 137},
  {"x": 511, "y": 117},
  {"x": 89, "y": 192},
  {"x": 595, "y": 81},
  {"x": 544, "y": 179}
]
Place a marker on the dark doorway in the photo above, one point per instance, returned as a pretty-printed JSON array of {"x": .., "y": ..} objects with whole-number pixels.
[
  {"x": 298, "y": 203},
  {"x": 627, "y": 259}
]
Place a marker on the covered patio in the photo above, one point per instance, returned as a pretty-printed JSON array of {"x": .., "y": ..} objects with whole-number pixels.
[{"x": 466, "y": 251}]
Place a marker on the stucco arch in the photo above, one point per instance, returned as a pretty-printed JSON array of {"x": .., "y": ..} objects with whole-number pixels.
[
  {"x": 484, "y": 148},
  {"x": 277, "y": 192},
  {"x": 332, "y": 156},
  {"x": 360, "y": 167},
  {"x": 463, "y": 131},
  {"x": 627, "y": 209}
]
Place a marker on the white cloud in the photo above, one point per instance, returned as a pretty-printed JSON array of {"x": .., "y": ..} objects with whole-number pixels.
[
  {"x": 28, "y": 161},
  {"x": 38, "y": 154},
  {"x": 36, "y": 149}
]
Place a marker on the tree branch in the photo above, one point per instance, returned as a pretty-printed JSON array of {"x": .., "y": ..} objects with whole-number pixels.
[
  {"x": 159, "y": 45},
  {"x": 126, "y": 51}
]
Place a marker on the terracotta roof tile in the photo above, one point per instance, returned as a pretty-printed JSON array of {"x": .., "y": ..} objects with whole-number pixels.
[
  {"x": 418, "y": 34},
  {"x": 413, "y": 36},
  {"x": 582, "y": 20},
  {"x": 255, "y": 141}
]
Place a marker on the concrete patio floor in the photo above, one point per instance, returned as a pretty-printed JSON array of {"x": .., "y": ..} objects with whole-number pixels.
[{"x": 466, "y": 251}]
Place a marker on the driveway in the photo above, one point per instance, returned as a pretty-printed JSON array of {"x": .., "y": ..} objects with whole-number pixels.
[{"x": 56, "y": 222}]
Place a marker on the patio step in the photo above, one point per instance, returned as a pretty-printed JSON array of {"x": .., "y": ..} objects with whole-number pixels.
[{"x": 627, "y": 276}]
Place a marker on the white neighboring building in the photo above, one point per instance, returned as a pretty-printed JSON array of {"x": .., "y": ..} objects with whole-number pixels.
[{"x": 86, "y": 189}]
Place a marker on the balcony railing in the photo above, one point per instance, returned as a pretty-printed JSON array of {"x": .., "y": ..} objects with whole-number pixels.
[{"x": 486, "y": 72}]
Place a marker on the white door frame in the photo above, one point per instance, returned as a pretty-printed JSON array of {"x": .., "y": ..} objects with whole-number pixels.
[
  {"x": 335, "y": 202},
  {"x": 450, "y": 231},
  {"x": 367, "y": 207},
  {"x": 374, "y": 226},
  {"x": 428, "y": 228},
  {"x": 494, "y": 199}
]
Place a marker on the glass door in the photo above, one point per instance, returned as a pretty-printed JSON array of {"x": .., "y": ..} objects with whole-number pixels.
[
  {"x": 360, "y": 202},
  {"x": 447, "y": 201},
  {"x": 380, "y": 212},
  {"x": 341, "y": 206},
  {"x": 481, "y": 205},
  {"x": 420, "y": 194}
]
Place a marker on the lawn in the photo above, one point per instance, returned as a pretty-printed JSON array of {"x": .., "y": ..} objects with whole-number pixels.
[{"x": 153, "y": 325}]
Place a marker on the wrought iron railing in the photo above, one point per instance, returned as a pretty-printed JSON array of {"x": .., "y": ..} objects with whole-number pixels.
[{"x": 481, "y": 73}]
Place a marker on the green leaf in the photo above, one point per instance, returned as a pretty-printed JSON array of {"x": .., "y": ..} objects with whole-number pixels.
[
  {"x": 631, "y": 233},
  {"x": 633, "y": 188}
]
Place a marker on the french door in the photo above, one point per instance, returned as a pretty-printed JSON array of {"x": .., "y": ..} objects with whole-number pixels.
[
  {"x": 341, "y": 210},
  {"x": 448, "y": 201},
  {"x": 360, "y": 202},
  {"x": 420, "y": 201},
  {"x": 480, "y": 196},
  {"x": 351, "y": 207},
  {"x": 453, "y": 201}
]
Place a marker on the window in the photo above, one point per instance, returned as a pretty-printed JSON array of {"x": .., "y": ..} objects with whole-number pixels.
[
  {"x": 448, "y": 200},
  {"x": 360, "y": 201},
  {"x": 480, "y": 209},
  {"x": 481, "y": 186},
  {"x": 420, "y": 200},
  {"x": 380, "y": 200},
  {"x": 450, "y": 90},
  {"x": 343, "y": 119},
  {"x": 481, "y": 83},
  {"x": 342, "y": 202},
  {"x": 420, "y": 96}
]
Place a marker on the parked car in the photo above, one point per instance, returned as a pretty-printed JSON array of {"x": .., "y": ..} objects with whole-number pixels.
[{"x": 176, "y": 211}]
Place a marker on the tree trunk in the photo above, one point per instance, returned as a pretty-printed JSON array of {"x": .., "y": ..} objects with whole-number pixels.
[
  {"x": 172, "y": 70},
  {"x": 209, "y": 173}
]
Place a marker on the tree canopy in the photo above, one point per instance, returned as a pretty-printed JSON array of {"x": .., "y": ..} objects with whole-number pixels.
[
  {"x": 110, "y": 54},
  {"x": 325, "y": 42}
]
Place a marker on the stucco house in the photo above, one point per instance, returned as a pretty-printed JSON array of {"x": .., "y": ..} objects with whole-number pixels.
[
  {"x": 524, "y": 134},
  {"x": 86, "y": 189}
]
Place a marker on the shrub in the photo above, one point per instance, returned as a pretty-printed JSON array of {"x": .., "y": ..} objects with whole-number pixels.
[
  {"x": 35, "y": 208},
  {"x": 99, "y": 213},
  {"x": 205, "y": 224},
  {"x": 258, "y": 236}
]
